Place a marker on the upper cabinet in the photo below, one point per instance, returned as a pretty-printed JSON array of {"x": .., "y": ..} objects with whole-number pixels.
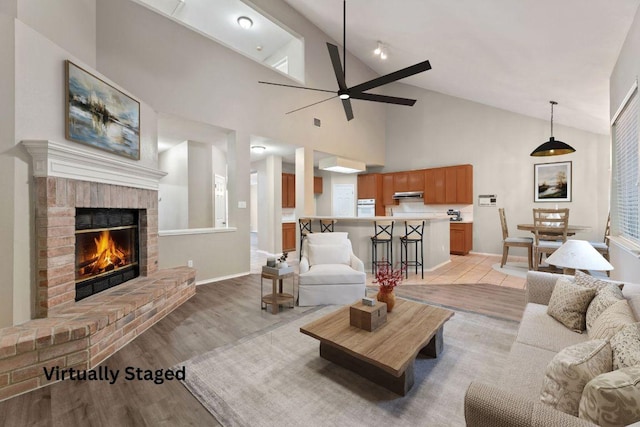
[
  {"x": 388, "y": 188},
  {"x": 317, "y": 185},
  {"x": 369, "y": 186},
  {"x": 449, "y": 185},
  {"x": 288, "y": 190}
]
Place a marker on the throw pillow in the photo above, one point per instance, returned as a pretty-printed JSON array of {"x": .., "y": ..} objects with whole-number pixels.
[
  {"x": 626, "y": 347},
  {"x": 612, "y": 320},
  {"x": 587, "y": 280},
  {"x": 605, "y": 298},
  {"x": 613, "y": 398},
  {"x": 570, "y": 370},
  {"x": 329, "y": 254},
  {"x": 568, "y": 304}
]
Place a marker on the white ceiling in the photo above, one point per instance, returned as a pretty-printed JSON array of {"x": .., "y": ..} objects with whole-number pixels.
[{"x": 512, "y": 54}]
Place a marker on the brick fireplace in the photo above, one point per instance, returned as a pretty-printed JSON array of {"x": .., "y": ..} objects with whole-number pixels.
[
  {"x": 57, "y": 201},
  {"x": 68, "y": 179}
]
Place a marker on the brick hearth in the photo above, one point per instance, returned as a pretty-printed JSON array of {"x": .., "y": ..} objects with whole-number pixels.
[{"x": 84, "y": 334}]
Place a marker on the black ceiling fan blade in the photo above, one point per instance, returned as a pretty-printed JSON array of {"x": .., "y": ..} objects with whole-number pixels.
[
  {"x": 392, "y": 77},
  {"x": 334, "y": 54},
  {"x": 383, "y": 98},
  {"x": 297, "y": 87},
  {"x": 311, "y": 105},
  {"x": 348, "y": 111}
]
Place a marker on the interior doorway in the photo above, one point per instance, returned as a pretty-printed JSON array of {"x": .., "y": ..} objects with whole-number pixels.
[{"x": 220, "y": 201}]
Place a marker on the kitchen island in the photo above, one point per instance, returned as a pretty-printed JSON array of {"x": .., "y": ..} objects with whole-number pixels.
[{"x": 435, "y": 243}]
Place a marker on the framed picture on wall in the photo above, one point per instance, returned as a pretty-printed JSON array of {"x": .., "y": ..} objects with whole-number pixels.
[
  {"x": 552, "y": 182},
  {"x": 99, "y": 115}
]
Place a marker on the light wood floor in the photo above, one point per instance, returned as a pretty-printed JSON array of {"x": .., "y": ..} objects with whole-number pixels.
[{"x": 219, "y": 314}]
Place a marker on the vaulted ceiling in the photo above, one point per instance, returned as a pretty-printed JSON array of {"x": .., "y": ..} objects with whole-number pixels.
[{"x": 514, "y": 55}]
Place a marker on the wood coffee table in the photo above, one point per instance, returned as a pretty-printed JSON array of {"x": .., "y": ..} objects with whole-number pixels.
[{"x": 386, "y": 355}]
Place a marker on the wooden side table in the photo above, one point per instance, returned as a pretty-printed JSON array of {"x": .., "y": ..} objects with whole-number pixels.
[{"x": 277, "y": 295}]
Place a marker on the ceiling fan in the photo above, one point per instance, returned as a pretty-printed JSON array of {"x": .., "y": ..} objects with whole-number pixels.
[{"x": 346, "y": 93}]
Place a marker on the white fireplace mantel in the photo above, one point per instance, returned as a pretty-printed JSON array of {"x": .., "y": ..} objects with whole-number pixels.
[{"x": 56, "y": 159}]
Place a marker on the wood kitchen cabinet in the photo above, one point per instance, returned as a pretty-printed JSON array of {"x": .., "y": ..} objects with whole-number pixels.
[
  {"x": 388, "y": 189},
  {"x": 401, "y": 182},
  {"x": 434, "y": 186},
  {"x": 288, "y": 190},
  {"x": 416, "y": 180},
  {"x": 288, "y": 236},
  {"x": 317, "y": 185},
  {"x": 449, "y": 185},
  {"x": 461, "y": 238},
  {"x": 370, "y": 186}
]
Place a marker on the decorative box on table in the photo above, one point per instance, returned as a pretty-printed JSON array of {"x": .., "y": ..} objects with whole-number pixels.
[
  {"x": 367, "y": 317},
  {"x": 276, "y": 271}
]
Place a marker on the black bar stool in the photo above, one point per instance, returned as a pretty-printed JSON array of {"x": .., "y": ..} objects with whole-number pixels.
[
  {"x": 326, "y": 225},
  {"x": 305, "y": 228},
  {"x": 413, "y": 233},
  {"x": 383, "y": 236}
]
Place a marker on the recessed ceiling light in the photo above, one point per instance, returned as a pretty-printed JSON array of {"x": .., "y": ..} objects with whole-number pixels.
[
  {"x": 245, "y": 22},
  {"x": 258, "y": 148},
  {"x": 259, "y": 48}
]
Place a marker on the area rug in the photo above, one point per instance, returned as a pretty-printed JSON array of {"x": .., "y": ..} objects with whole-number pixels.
[
  {"x": 278, "y": 378},
  {"x": 518, "y": 269}
]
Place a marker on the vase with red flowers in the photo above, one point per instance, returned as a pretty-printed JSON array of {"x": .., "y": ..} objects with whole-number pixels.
[{"x": 387, "y": 279}]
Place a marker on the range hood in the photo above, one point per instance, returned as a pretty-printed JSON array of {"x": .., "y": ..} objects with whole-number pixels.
[{"x": 408, "y": 195}]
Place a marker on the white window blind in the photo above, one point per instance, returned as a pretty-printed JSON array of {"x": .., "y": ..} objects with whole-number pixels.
[{"x": 625, "y": 144}]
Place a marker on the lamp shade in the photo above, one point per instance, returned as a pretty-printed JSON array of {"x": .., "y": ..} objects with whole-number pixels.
[
  {"x": 579, "y": 255},
  {"x": 552, "y": 148},
  {"x": 342, "y": 165}
]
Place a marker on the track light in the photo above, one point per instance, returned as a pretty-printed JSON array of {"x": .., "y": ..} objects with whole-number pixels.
[{"x": 381, "y": 50}]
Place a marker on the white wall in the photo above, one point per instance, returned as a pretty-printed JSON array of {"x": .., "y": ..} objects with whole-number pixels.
[
  {"x": 441, "y": 130},
  {"x": 68, "y": 23},
  {"x": 7, "y": 167},
  {"x": 200, "y": 185},
  {"x": 625, "y": 73},
  {"x": 173, "y": 207},
  {"x": 37, "y": 113},
  {"x": 191, "y": 76}
]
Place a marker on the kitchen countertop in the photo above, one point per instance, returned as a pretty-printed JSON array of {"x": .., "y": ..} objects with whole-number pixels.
[{"x": 437, "y": 217}]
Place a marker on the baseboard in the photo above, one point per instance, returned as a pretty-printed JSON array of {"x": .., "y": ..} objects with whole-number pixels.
[{"x": 219, "y": 279}]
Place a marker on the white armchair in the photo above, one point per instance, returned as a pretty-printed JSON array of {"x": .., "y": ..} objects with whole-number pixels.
[{"x": 329, "y": 271}]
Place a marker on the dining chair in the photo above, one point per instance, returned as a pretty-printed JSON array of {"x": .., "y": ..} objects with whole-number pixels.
[
  {"x": 519, "y": 242},
  {"x": 603, "y": 247},
  {"x": 549, "y": 232}
]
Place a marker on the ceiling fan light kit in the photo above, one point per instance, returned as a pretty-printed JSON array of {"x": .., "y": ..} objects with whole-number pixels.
[
  {"x": 552, "y": 147},
  {"x": 346, "y": 93}
]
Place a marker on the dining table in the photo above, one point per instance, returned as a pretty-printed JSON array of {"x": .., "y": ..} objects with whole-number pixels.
[{"x": 571, "y": 229}]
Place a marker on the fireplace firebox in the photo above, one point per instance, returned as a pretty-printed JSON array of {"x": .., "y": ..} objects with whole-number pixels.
[{"x": 106, "y": 249}]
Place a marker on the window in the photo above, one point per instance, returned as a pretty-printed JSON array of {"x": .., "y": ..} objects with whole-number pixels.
[{"x": 625, "y": 169}]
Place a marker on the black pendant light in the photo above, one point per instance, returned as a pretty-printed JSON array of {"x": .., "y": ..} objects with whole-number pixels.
[{"x": 552, "y": 147}]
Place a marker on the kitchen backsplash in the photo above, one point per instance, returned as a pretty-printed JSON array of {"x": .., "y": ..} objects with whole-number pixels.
[
  {"x": 418, "y": 207},
  {"x": 288, "y": 215}
]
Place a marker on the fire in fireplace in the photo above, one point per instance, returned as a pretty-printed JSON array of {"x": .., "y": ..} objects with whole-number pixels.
[{"x": 106, "y": 249}]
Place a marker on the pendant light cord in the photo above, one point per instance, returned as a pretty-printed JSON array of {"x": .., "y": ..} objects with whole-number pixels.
[{"x": 552, "y": 104}]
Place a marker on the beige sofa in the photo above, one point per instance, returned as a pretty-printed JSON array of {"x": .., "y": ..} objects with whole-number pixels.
[{"x": 515, "y": 401}]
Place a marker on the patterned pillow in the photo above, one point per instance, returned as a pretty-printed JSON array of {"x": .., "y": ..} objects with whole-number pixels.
[
  {"x": 605, "y": 298},
  {"x": 626, "y": 347},
  {"x": 612, "y": 320},
  {"x": 589, "y": 281},
  {"x": 568, "y": 304},
  {"x": 613, "y": 398},
  {"x": 570, "y": 370}
]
